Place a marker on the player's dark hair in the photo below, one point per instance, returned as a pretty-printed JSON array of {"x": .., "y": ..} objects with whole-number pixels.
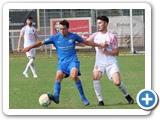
[
  {"x": 30, "y": 18},
  {"x": 103, "y": 18},
  {"x": 64, "y": 22}
]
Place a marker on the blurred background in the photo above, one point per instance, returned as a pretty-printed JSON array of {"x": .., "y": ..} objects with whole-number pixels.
[{"x": 127, "y": 24}]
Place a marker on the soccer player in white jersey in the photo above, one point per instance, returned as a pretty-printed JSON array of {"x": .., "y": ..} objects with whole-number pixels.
[
  {"x": 30, "y": 36},
  {"x": 106, "y": 61}
]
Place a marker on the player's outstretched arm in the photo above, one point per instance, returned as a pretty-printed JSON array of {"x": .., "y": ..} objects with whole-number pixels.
[
  {"x": 80, "y": 44},
  {"x": 37, "y": 44},
  {"x": 91, "y": 43}
]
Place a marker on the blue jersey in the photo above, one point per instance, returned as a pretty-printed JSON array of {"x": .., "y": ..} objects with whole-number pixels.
[{"x": 65, "y": 47}]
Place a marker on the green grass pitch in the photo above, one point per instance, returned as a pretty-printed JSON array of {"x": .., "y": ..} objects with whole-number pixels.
[{"x": 24, "y": 92}]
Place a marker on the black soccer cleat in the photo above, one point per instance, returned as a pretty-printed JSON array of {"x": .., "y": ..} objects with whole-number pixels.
[
  {"x": 101, "y": 103},
  {"x": 129, "y": 99},
  {"x": 53, "y": 98}
]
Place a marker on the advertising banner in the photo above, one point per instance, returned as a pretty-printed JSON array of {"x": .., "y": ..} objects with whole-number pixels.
[
  {"x": 80, "y": 26},
  {"x": 17, "y": 18},
  {"x": 120, "y": 26}
]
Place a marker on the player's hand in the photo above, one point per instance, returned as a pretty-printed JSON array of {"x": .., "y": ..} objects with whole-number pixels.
[
  {"x": 18, "y": 49},
  {"x": 26, "y": 49},
  {"x": 105, "y": 44},
  {"x": 103, "y": 50}
]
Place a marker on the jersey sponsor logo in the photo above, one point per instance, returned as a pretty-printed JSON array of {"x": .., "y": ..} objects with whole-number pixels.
[
  {"x": 65, "y": 47},
  {"x": 70, "y": 41}
]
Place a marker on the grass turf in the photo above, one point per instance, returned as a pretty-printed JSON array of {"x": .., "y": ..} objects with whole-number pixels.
[{"x": 24, "y": 92}]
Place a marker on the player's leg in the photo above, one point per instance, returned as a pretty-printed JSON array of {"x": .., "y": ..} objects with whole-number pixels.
[
  {"x": 25, "y": 72},
  {"x": 97, "y": 87},
  {"x": 118, "y": 83},
  {"x": 32, "y": 67},
  {"x": 74, "y": 72},
  {"x": 31, "y": 56},
  {"x": 32, "y": 59},
  {"x": 115, "y": 76},
  {"x": 57, "y": 86}
]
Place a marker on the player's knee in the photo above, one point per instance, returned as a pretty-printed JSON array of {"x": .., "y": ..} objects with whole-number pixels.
[
  {"x": 58, "y": 78},
  {"x": 96, "y": 77},
  {"x": 74, "y": 78},
  {"x": 31, "y": 62},
  {"x": 117, "y": 82}
]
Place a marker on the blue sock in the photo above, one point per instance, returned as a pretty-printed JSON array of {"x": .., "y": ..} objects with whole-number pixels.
[
  {"x": 80, "y": 89},
  {"x": 57, "y": 88}
]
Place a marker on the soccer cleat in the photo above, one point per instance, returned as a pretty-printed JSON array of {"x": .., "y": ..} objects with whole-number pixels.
[
  {"x": 130, "y": 99},
  {"x": 101, "y": 103},
  {"x": 25, "y": 74},
  {"x": 54, "y": 98},
  {"x": 35, "y": 76},
  {"x": 85, "y": 102}
]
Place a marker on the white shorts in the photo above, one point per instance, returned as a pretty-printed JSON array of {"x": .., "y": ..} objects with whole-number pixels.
[
  {"x": 109, "y": 69},
  {"x": 31, "y": 53}
]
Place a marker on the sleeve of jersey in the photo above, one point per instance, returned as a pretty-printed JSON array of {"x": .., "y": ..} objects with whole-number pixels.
[
  {"x": 78, "y": 38},
  {"x": 49, "y": 40},
  {"x": 91, "y": 38},
  {"x": 113, "y": 42},
  {"x": 22, "y": 32}
]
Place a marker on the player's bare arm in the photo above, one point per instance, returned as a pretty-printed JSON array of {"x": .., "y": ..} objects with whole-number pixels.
[
  {"x": 37, "y": 38},
  {"x": 113, "y": 52},
  {"x": 91, "y": 43},
  {"x": 19, "y": 43},
  {"x": 80, "y": 44},
  {"x": 37, "y": 44}
]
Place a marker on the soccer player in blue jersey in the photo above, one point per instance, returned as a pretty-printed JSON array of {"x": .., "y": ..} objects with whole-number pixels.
[{"x": 68, "y": 63}]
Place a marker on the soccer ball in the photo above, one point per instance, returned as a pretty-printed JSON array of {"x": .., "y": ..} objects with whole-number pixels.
[{"x": 44, "y": 100}]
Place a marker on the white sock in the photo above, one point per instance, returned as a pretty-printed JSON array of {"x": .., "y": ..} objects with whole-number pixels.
[
  {"x": 32, "y": 66},
  {"x": 97, "y": 88},
  {"x": 33, "y": 69},
  {"x": 123, "y": 89},
  {"x": 27, "y": 67}
]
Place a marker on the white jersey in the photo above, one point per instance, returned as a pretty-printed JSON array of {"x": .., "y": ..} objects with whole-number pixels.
[
  {"x": 28, "y": 32},
  {"x": 101, "y": 58}
]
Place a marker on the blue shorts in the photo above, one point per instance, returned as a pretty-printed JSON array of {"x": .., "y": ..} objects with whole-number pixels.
[{"x": 67, "y": 67}]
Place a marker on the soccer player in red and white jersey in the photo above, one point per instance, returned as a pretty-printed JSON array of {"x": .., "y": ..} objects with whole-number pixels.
[
  {"x": 30, "y": 37},
  {"x": 106, "y": 61}
]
